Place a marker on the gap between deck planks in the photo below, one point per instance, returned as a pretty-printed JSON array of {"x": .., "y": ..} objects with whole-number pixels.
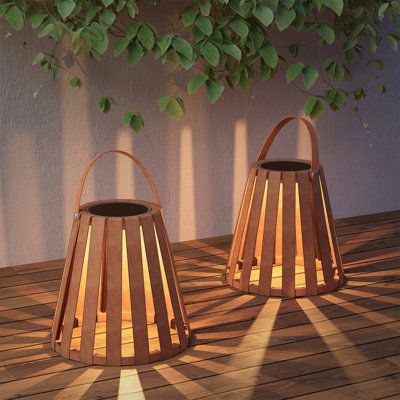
[{"x": 237, "y": 338}]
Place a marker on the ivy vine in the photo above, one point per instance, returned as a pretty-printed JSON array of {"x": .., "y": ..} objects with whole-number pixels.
[{"x": 226, "y": 43}]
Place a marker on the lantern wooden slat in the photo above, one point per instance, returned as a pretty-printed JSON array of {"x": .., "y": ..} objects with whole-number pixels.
[
  {"x": 332, "y": 229},
  {"x": 161, "y": 313},
  {"x": 137, "y": 291},
  {"x": 323, "y": 240},
  {"x": 252, "y": 228},
  {"x": 288, "y": 232},
  {"x": 268, "y": 246},
  {"x": 60, "y": 308},
  {"x": 120, "y": 302},
  {"x": 180, "y": 318},
  {"x": 240, "y": 226},
  {"x": 307, "y": 232},
  {"x": 92, "y": 290},
  {"x": 285, "y": 242},
  {"x": 73, "y": 289},
  {"x": 114, "y": 291}
]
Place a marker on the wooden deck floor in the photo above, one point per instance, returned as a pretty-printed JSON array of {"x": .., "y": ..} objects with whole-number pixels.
[{"x": 343, "y": 345}]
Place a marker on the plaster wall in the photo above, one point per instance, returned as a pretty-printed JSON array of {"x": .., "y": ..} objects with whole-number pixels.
[{"x": 48, "y": 132}]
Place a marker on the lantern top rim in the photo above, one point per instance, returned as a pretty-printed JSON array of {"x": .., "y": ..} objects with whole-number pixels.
[
  {"x": 283, "y": 165},
  {"x": 119, "y": 208}
]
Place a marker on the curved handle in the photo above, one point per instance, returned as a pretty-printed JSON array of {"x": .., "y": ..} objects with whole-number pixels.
[
  {"x": 277, "y": 128},
  {"x": 134, "y": 159}
]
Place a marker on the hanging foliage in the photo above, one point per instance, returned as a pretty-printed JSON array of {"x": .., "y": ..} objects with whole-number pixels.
[{"x": 226, "y": 43}]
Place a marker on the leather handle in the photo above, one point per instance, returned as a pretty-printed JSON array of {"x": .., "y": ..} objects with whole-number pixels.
[
  {"x": 134, "y": 159},
  {"x": 277, "y": 128}
]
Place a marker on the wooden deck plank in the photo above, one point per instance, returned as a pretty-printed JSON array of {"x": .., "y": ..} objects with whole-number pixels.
[{"x": 242, "y": 347}]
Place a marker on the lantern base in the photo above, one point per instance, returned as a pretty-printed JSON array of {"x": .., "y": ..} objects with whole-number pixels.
[
  {"x": 99, "y": 356},
  {"x": 276, "y": 281}
]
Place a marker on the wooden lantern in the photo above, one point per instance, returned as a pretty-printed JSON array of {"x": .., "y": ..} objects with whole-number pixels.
[
  {"x": 285, "y": 241},
  {"x": 119, "y": 301}
]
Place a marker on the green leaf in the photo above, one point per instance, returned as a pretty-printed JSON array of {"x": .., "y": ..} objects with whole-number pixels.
[
  {"x": 120, "y": 4},
  {"x": 196, "y": 82},
  {"x": 269, "y": 55},
  {"x": 4, "y": 7},
  {"x": 210, "y": 52},
  {"x": 135, "y": 53},
  {"x": 75, "y": 82},
  {"x": 133, "y": 120},
  {"x": 146, "y": 37},
  {"x": 240, "y": 28},
  {"x": 378, "y": 62},
  {"x": 65, "y": 8},
  {"x": 313, "y": 107},
  {"x": 358, "y": 94},
  {"x": 38, "y": 58},
  {"x": 335, "y": 5},
  {"x": 107, "y": 2},
  {"x": 46, "y": 30},
  {"x": 333, "y": 69},
  {"x": 214, "y": 90},
  {"x": 182, "y": 47},
  {"x": 163, "y": 44},
  {"x": 240, "y": 7},
  {"x": 15, "y": 18},
  {"x": 37, "y": 19},
  {"x": 326, "y": 33},
  {"x": 189, "y": 16},
  {"x": 310, "y": 75},
  {"x": 293, "y": 71},
  {"x": 232, "y": 50},
  {"x": 107, "y": 17},
  {"x": 382, "y": 9},
  {"x": 120, "y": 46},
  {"x": 337, "y": 98},
  {"x": 392, "y": 41},
  {"x": 381, "y": 89},
  {"x": 205, "y": 7},
  {"x": 172, "y": 105},
  {"x": 204, "y": 24},
  {"x": 284, "y": 17},
  {"x": 294, "y": 49},
  {"x": 349, "y": 44},
  {"x": 163, "y": 101},
  {"x": 131, "y": 30},
  {"x": 98, "y": 38},
  {"x": 265, "y": 71},
  {"x": 132, "y": 8},
  {"x": 272, "y": 4},
  {"x": 92, "y": 12},
  {"x": 104, "y": 104},
  {"x": 264, "y": 15}
]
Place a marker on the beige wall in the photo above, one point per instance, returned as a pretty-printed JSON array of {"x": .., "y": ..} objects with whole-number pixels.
[{"x": 199, "y": 164}]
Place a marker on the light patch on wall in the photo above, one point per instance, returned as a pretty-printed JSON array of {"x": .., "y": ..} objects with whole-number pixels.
[
  {"x": 303, "y": 141},
  {"x": 124, "y": 168},
  {"x": 240, "y": 166},
  {"x": 187, "y": 202},
  {"x": 76, "y": 142}
]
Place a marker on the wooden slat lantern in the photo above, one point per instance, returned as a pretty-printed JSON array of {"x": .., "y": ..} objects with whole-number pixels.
[
  {"x": 285, "y": 242},
  {"x": 119, "y": 301}
]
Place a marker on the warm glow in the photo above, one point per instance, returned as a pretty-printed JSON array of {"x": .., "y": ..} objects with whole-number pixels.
[
  {"x": 240, "y": 165},
  {"x": 187, "y": 198},
  {"x": 124, "y": 188},
  {"x": 298, "y": 251},
  {"x": 129, "y": 384},
  {"x": 127, "y": 333}
]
